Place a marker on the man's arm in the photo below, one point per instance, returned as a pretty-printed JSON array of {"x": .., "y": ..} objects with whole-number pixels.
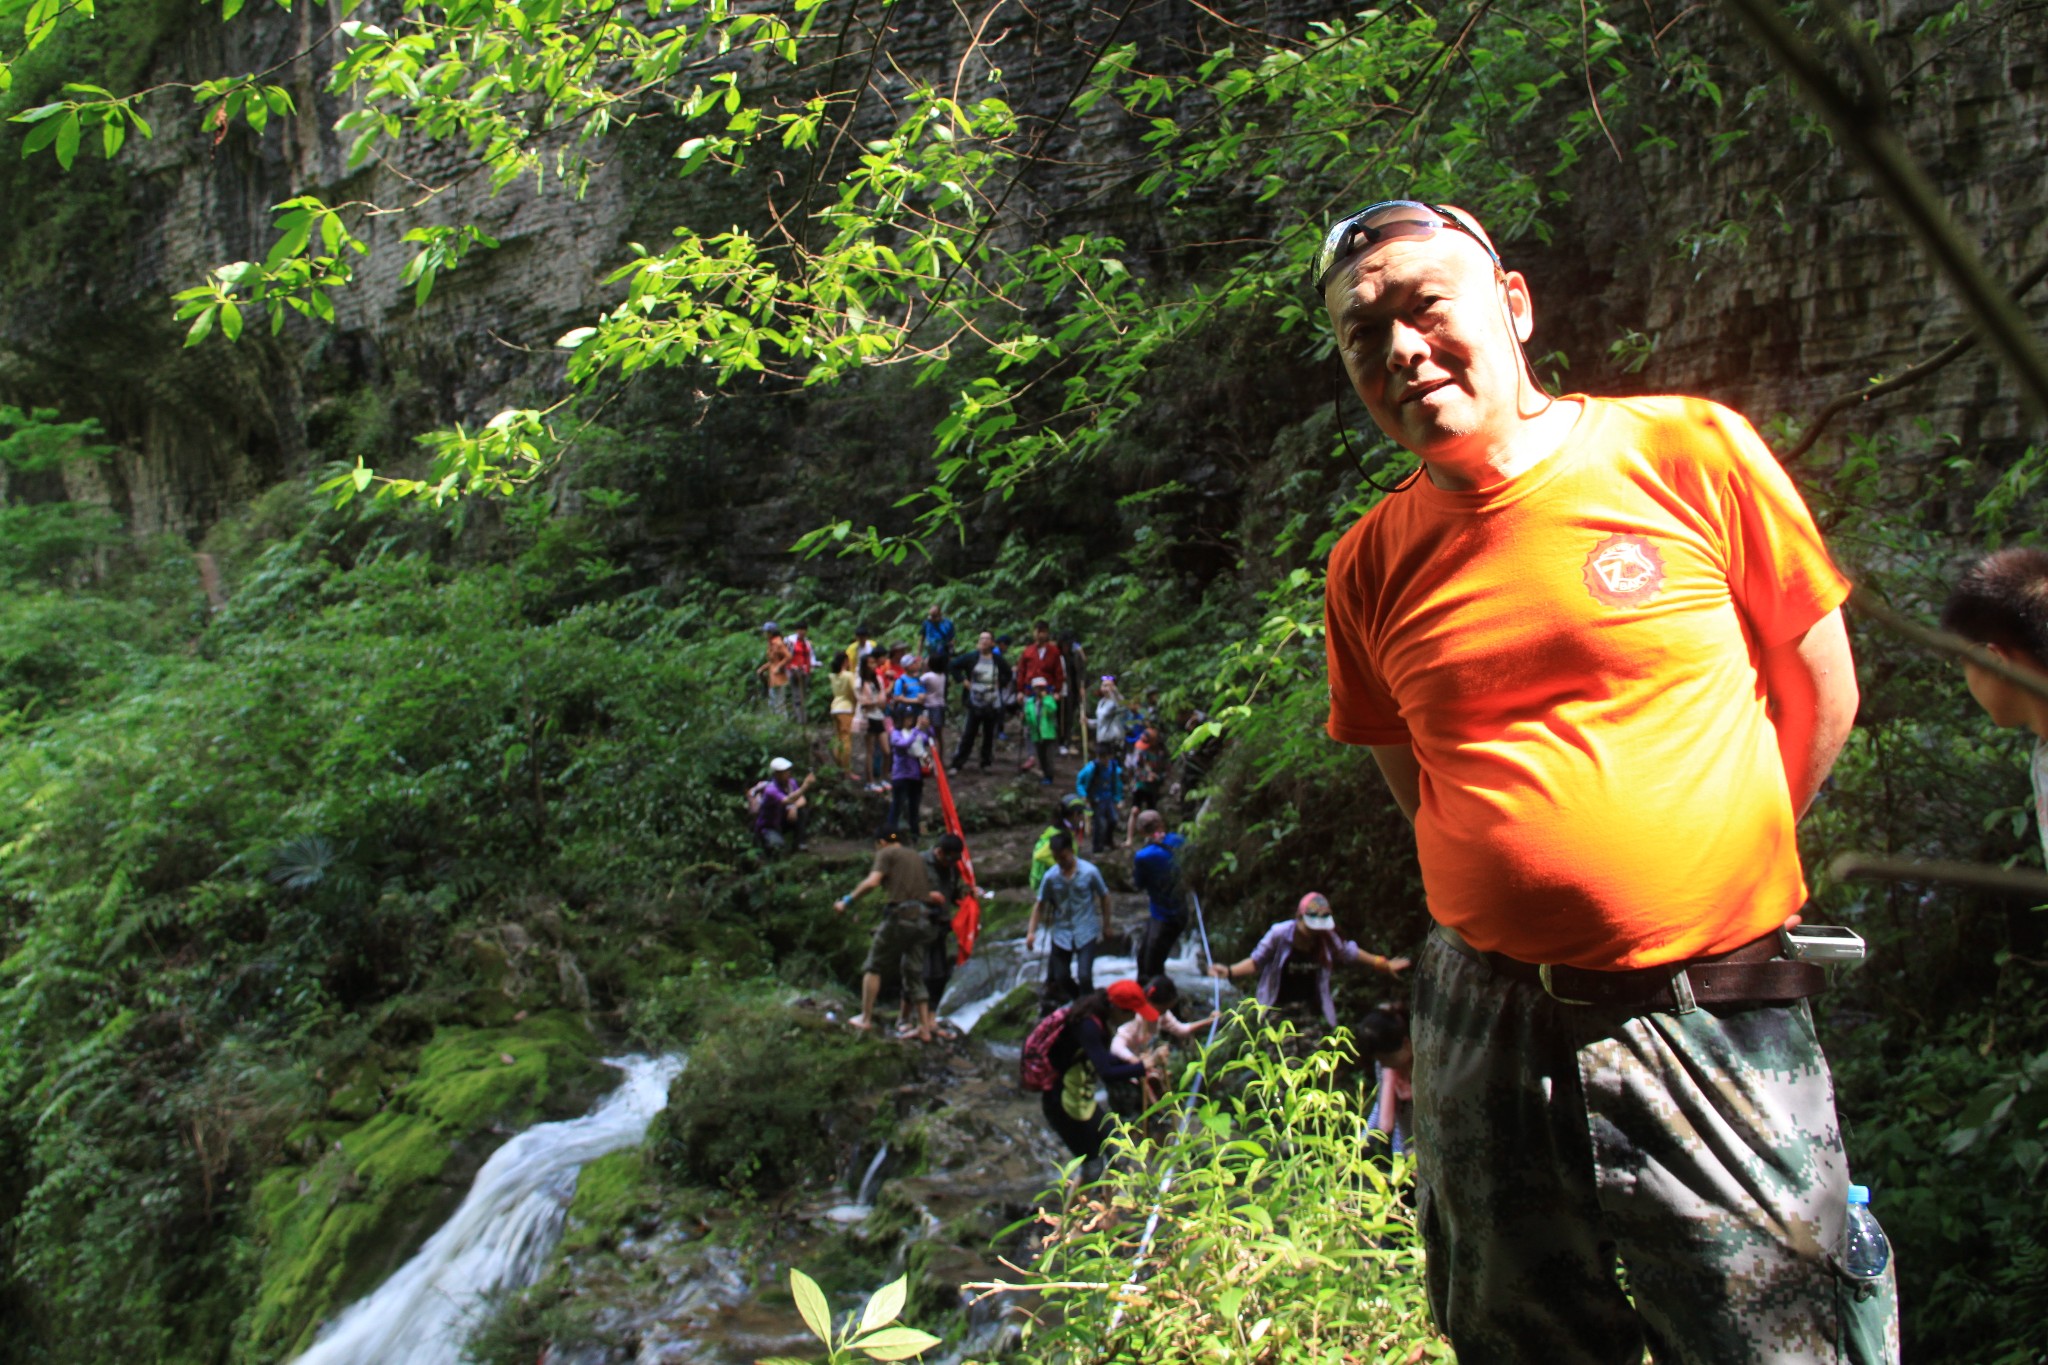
[
  {"x": 1102, "y": 906},
  {"x": 1403, "y": 775},
  {"x": 867, "y": 884},
  {"x": 1031, "y": 926},
  {"x": 1811, "y": 686}
]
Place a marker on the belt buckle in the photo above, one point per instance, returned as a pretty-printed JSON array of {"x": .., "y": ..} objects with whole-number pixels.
[{"x": 1543, "y": 975}]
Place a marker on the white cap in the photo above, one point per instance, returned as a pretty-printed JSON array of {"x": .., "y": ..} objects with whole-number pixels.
[{"x": 779, "y": 765}]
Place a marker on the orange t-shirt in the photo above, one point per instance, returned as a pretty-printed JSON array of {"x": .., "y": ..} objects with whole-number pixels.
[{"x": 1573, "y": 655}]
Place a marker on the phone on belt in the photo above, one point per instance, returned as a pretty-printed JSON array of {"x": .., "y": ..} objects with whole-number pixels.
[{"x": 1822, "y": 943}]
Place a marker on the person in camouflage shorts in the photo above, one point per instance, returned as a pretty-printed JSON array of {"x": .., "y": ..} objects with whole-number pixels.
[
  {"x": 1597, "y": 651},
  {"x": 1698, "y": 1149}
]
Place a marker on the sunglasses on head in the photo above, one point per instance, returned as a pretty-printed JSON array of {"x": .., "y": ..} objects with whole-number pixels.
[{"x": 1354, "y": 233}]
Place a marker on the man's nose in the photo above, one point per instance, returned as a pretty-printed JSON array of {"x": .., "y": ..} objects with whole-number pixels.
[{"x": 1405, "y": 346}]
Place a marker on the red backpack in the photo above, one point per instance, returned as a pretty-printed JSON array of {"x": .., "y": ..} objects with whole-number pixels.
[{"x": 1035, "y": 1070}]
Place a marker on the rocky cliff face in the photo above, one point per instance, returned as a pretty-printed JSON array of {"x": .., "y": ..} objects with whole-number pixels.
[{"x": 1760, "y": 266}]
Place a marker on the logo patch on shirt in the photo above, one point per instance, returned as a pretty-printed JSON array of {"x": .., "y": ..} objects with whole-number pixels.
[{"x": 1624, "y": 571}]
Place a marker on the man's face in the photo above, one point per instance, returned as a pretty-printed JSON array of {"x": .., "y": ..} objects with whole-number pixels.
[
  {"x": 985, "y": 642},
  {"x": 2003, "y": 702},
  {"x": 1042, "y": 635},
  {"x": 1424, "y": 330},
  {"x": 1066, "y": 859},
  {"x": 933, "y": 613}
]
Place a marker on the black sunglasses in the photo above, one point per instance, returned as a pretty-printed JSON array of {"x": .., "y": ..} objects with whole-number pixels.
[{"x": 1354, "y": 233}]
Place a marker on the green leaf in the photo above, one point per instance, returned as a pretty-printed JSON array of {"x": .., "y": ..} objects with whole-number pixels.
[
  {"x": 362, "y": 476},
  {"x": 896, "y": 1343},
  {"x": 229, "y": 9},
  {"x": 202, "y": 327},
  {"x": 810, "y": 1301},
  {"x": 883, "y": 1308},
  {"x": 39, "y": 113},
  {"x": 67, "y": 140},
  {"x": 231, "y": 322},
  {"x": 112, "y": 134}
]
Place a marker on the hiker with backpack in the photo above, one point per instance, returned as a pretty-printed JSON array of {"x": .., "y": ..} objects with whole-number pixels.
[
  {"x": 937, "y": 635},
  {"x": 1068, "y": 1054},
  {"x": 1073, "y": 905},
  {"x": 910, "y": 754},
  {"x": 1155, "y": 870},
  {"x": 986, "y": 675},
  {"x": 777, "y": 807},
  {"x": 902, "y": 933},
  {"x": 1151, "y": 769},
  {"x": 1100, "y": 785}
]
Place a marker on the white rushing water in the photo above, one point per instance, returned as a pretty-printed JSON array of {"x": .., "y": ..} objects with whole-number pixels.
[
  {"x": 501, "y": 1236},
  {"x": 999, "y": 967}
]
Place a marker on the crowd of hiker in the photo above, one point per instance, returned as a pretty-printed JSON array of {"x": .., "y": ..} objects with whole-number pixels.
[{"x": 1098, "y": 1050}]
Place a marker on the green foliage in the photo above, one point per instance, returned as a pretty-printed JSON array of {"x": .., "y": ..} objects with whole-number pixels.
[
  {"x": 873, "y": 1337},
  {"x": 767, "y": 1095},
  {"x": 1281, "y": 1236}
]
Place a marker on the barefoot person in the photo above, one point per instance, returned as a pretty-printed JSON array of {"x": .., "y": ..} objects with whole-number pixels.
[
  {"x": 902, "y": 933},
  {"x": 1595, "y": 648}
]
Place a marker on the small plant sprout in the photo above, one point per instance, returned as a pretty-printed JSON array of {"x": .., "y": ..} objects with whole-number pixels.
[{"x": 872, "y": 1337}]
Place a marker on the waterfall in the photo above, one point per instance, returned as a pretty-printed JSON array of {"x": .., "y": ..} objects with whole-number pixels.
[{"x": 501, "y": 1236}]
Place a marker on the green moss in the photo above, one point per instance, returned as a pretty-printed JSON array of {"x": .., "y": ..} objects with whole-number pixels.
[
  {"x": 611, "y": 1192},
  {"x": 329, "y": 1232},
  {"x": 1010, "y": 1017}
]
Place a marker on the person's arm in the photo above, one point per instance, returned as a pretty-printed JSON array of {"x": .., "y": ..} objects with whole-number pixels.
[
  {"x": 1384, "y": 1116},
  {"x": 1031, "y": 925},
  {"x": 1102, "y": 904},
  {"x": 1811, "y": 686},
  {"x": 867, "y": 884},
  {"x": 1081, "y": 778},
  {"x": 1403, "y": 775},
  {"x": 1107, "y": 1066},
  {"x": 1392, "y": 966}
]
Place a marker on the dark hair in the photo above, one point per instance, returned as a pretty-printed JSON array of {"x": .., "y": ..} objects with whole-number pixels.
[
  {"x": 1094, "y": 1005},
  {"x": 950, "y": 843},
  {"x": 1042, "y": 624},
  {"x": 889, "y": 836},
  {"x": 1161, "y": 991},
  {"x": 2002, "y": 599},
  {"x": 1382, "y": 1031},
  {"x": 867, "y": 672},
  {"x": 866, "y": 632},
  {"x": 1061, "y": 842}
]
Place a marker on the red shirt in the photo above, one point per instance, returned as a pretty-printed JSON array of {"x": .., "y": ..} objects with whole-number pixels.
[{"x": 1042, "y": 661}]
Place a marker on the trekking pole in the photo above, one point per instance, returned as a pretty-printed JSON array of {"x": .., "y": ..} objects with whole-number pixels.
[{"x": 1187, "y": 1113}]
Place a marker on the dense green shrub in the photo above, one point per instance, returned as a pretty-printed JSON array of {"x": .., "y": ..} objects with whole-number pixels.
[{"x": 767, "y": 1096}]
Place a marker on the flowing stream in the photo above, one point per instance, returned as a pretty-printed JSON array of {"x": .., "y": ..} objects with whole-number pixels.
[{"x": 501, "y": 1236}]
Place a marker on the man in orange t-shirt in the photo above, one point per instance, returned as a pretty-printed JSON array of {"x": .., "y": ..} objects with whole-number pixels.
[{"x": 1595, "y": 647}]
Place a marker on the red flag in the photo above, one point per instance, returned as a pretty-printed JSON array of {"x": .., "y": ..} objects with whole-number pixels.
[{"x": 967, "y": 918}]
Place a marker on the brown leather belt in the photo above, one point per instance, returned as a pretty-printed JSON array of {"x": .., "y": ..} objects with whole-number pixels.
[{"x": 1754, "y": 974}]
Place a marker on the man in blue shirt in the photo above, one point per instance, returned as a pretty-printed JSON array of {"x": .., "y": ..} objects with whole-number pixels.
[
  {"x": 1155, "y": 870},
  {"x": 1073, "y": 904}
]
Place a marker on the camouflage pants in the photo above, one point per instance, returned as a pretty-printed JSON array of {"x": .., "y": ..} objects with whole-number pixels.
[
  {"x": 1594, "y": 1184},
  {"x": 899, "y": 945}
]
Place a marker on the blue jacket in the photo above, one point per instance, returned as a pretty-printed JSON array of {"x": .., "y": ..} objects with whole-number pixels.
[
  {"x": 1155, "y": 870},
  {"x": 1087, "y": 775}
]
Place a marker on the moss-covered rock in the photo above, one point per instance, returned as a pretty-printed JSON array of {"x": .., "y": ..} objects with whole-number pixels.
[
  {"x": 1010, "y": 1017},
  {"x": 330, "y": 1231},
  {"x": 612, "y": 1193}
]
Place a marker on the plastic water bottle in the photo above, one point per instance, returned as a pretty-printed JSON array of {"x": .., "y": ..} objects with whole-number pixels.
[{"x": 1865, "y": 1252}]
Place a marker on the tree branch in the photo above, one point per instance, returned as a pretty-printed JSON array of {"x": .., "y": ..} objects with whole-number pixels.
[{"x": 1941, "y": 359}]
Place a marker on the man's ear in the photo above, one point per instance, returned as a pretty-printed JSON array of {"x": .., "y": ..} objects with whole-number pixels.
[{"x": 1521, "y": 307}]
